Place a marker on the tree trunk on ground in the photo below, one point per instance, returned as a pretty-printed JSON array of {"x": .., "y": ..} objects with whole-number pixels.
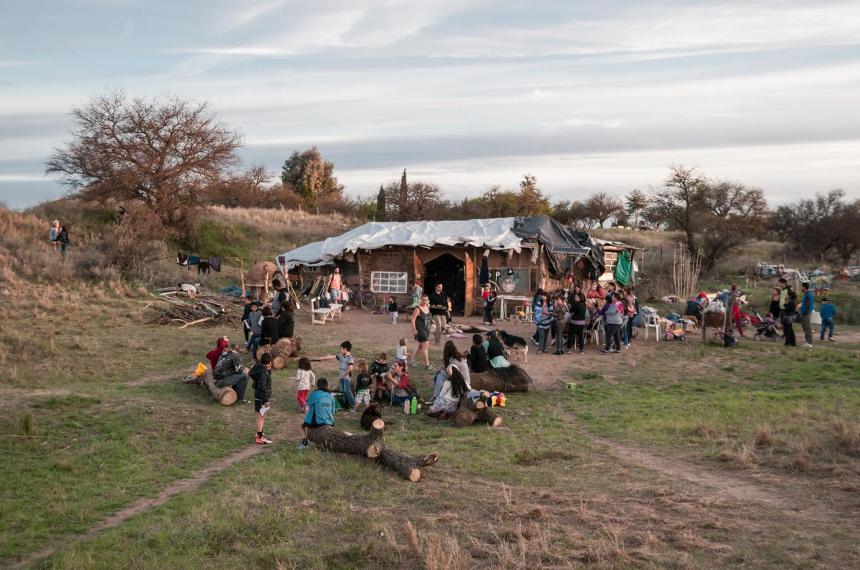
[
  {"x": 331, "y": 439},
  {"x": 226, "y": 396},
  {"x": 470, "y": 412},
  {"x": 407, "y": 465},
  {"x": 511, "y": 379},
  {"x": 372, "y": 446}
]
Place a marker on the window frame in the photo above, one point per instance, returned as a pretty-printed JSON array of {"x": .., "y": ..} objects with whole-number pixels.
[{"x": 390, "y": 279}]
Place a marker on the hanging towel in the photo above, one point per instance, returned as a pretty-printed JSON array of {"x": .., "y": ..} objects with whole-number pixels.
[
  {"x": 182, "y": 259},
  {"x": 623, "y": 269},
  {"x": 193, "y": 260},
  {"x": 215, "y": 263},
  {"x": 202, "y": 267}
]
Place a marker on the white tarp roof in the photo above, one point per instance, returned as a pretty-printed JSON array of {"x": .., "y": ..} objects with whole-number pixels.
[{"x": 494, "y": 233}]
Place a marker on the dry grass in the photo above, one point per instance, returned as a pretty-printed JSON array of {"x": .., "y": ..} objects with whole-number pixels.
[
  {"x": 314, "y": 226},
  {"x": 764, "y": 437},
  {"x": 846, "y": 436}
]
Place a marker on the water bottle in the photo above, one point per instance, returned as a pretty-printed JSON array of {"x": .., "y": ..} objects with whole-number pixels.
[
  {"x": 406, "y": 407},
  {"x": 414, "y": 409}
]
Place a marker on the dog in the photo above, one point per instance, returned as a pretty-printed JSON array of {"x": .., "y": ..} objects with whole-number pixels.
[
  {"x": 516, "y": 345},
  {"x": 371, "y": 412}
]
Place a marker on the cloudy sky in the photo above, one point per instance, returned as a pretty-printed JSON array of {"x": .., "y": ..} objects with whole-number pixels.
[{"x": 586, "y": 95}]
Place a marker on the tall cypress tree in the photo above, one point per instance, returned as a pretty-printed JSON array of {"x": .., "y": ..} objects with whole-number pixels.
[{"x": 380, "y": 205}]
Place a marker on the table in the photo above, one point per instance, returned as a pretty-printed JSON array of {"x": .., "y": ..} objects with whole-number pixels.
[{"x": 503, "y": 308}]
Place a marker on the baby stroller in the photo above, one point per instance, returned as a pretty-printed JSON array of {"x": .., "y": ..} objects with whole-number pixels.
[{"x": 765, "y": 328}]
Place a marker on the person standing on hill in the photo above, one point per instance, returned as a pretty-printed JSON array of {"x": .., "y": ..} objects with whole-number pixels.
[
  {"x": 54, "y": 234},
  {"x": 807, "y": 306},
  {"x": 439, "y": 311},
  {"x": 63, "y": 238}
]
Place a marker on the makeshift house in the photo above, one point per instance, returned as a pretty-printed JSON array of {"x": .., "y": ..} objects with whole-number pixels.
[
  {"x": 519, "y": 255},
  {"x": 619, "y": 264}
]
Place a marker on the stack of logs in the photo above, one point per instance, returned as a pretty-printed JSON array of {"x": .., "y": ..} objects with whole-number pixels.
[
  {"x": 372, "y": 446},
  {"x": 511, "y": 379},
  {"x": 470, "y": 412},
  {"x": 282, "y": 351}
]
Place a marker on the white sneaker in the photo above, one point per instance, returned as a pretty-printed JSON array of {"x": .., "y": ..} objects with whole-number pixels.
[{"x": 807, "y": 345}]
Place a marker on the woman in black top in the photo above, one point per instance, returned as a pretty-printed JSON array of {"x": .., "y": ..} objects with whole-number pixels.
[
  {"x": 421, "y": 319},
  {"x": 774, "y": 303},
  {"x": 578, "y": 313}
]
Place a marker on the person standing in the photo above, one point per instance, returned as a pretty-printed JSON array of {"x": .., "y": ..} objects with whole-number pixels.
[
  {"x": 54, "y": 234},
  {"x": 345, "y": 360},
  {"x": 421, "y": 320},
  {"x": 63, "y": 238},
  {"x": 613, "y": 313},
  {"x": 789, "y": 310},
  {"x": 489, "y": 298},
  {"x": 335, "y": 285},
  {"x": 774, "y": 303},
  {"x": 827, "y": 312},
  {"x": 261, "y": 374},
  {"x": 807, "y": 306},
  {"x": 561, "y": 312},
  {"x": 783, "y": 294},
  {"x": 439, "y": 310},
  {"x": 578, "y": 312},
  {"x": 285, "y": 315}
]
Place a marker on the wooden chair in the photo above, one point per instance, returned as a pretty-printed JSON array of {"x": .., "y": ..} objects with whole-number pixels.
[{"x": 319, "y": 315}]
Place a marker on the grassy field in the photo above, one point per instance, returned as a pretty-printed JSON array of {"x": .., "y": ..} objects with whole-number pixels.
[{"x": 104, "y": 420}]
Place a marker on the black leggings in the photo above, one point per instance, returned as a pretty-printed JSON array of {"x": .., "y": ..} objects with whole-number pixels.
[
  {"x": 788, "y": 333},
  {"x": 613, "y": 336},
  {"x": 576, "y": 336},
  {"x": 630, "y": 330}
]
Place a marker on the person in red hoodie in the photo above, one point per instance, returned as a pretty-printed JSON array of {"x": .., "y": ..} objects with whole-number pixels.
[{"x": 214, "y": 354}]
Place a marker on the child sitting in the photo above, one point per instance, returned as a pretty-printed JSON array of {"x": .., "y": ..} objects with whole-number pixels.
[
  {"x": 320, "y": 410},
  {"x": 304, "y": 380},
  {"x": 477, "y": 357},
  {"x": 402, "y": 353},
  {"x": 378, "y": 370},
  {"x": 398, "y": 382},
  {"x": 362, "y": 383}
]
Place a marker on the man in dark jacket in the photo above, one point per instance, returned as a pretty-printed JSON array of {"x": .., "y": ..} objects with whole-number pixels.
[
  {"x": 261, "y": 374},
  {"x": 231, "y": 372}
]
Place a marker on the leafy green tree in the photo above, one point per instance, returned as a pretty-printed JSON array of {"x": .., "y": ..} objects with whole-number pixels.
[{"x": 311, "y": 176}]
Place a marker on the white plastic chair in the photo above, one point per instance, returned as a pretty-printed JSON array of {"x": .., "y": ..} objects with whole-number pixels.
[{"x": 652, "y": 321}]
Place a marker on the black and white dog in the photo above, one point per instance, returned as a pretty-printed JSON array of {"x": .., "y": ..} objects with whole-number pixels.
[{"x": 516, "y": 345}]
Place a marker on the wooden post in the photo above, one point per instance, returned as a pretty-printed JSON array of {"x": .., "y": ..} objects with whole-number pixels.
[
  {"x": 266, "y": 287},
  {"x": 242, "y": 275}
]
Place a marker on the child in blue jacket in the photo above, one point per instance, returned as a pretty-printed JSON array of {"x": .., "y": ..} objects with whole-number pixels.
[
  {"x": 320, "y": 410},
  {"x": 827, "y": 312}
]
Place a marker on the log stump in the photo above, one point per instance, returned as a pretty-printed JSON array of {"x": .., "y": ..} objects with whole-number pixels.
[
  {"x": 266, "y": 348},
  {"x": 279, "y": 362},
  {"x": 511, "y": 379},
  {"x": 406, "y": 465},
  {"x": 226, "y": 396}
]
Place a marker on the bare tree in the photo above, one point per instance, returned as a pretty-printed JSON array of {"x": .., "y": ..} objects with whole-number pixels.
[
  {"x": 158, "y": 152},
  {"x": 821, "y": 227},
  {"x": 413, "y": 200},
  {"x": 635, "y": 204},
  {"x": 601, "y": 206}
]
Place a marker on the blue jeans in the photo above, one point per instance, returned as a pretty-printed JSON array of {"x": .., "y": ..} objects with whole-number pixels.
[
  {"x": 543, "y": 338},
  {"x": 346, "y": 389},
  {"x": 826, "y": 324},
  {"x": 437, "y": 383},
  {"x": 253, "y": 344},
  {"x": 624, "y": 338}
]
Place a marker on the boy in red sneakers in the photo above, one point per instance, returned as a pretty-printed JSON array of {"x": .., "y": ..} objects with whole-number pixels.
[{"x": 261, "y": 374}]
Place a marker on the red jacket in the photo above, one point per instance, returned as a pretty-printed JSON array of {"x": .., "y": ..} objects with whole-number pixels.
[{"x": 214, "y": 354}]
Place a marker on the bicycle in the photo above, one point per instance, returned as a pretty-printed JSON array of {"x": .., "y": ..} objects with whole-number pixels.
[{"x": 364, "y": 299}]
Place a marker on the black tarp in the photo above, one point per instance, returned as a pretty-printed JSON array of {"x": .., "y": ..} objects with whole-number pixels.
[{"x": 562, "y": 246}]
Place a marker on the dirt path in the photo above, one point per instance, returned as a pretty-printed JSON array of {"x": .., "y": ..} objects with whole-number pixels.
[
  {"x": 144, "y": 504},
  {"x": 724, "y": 484}
]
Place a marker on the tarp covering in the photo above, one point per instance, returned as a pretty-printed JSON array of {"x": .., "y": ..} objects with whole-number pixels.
[
  {"x": 623, "y": 269},
  {"x": 562, "y": 247},
  {"x": 494, "y": 233}
]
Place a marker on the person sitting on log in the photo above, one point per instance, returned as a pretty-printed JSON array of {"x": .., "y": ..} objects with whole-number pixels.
[
  {"x": 398, "y": 382},
  {"x": 268, "y": 327},
  {"x": 320, "y": 410},
  {"x": 378, "y": 370},
  {"x": 362, "y": 383},
  {"x": 496, "y": 351},
  {"x": 477, "y": 358},
  {"x": 215, "y": 354},
  {"x": 261, "y": 374},
  {"x": 231, "y": 372},
  {"x": 453, "y": 388}
]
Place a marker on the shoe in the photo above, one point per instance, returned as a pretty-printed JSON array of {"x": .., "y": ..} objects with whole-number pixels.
[
  {"x": 558, "y": 353},
  {"x": 263, "y": 440},
  {"x": 832, "y": 339},
  {"x": 302, "y": 445},
  {"x": 244, "y": 401},
  {"x": 581, "y": 351},
  {"x": 534, "y": 342},
  {"x": 807, "y": 345},
  {"x": 604, "y": 351},
  {"x": 429, "y": 367},
  {"x": 626, "y": 347}
]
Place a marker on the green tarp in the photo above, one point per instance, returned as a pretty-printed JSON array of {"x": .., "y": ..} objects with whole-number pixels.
[{"x": 624, "y": 268}]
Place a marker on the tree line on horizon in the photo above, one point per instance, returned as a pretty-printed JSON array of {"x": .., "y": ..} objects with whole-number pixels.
[{"x": 167, "y": 157}]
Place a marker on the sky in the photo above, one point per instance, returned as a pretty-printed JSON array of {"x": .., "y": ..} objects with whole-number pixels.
[{"x": 586, "y": 95}]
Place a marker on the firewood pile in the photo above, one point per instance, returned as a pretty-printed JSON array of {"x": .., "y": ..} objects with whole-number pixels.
[
  {"x": 282, "y": 351},
  {"x": 191, "y": 309}
]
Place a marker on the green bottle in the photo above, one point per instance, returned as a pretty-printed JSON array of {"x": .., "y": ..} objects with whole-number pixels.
[{"x": 414, "y": 409}]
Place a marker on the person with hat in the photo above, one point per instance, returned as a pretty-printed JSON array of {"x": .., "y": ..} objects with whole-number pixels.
[{"x": 827, "y": 312}]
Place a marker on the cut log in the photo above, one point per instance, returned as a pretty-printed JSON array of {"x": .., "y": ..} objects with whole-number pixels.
[
  {"x": 407, "y": 465},
  {"x": 470, "y": 412},
  {"x": 226, "y": 396},
  {"x": 263, "y": 350},
  {"x": 279, "y": 362},
  {"x": 333, "y": 439},
  {"x": 511, "y": 379}
]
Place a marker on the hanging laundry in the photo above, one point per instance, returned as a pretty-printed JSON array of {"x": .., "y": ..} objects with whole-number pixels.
[
  {"x": 202, "y": 267},
  {"x": 193, "y": 260},
  {"x": 182, "y": 259},
  {"x": 215, "y": 263}
]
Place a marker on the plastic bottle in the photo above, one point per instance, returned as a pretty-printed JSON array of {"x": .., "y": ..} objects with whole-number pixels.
[
  {"x": 406, "y": 407},
  {"x": 414, "y": 408}
]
